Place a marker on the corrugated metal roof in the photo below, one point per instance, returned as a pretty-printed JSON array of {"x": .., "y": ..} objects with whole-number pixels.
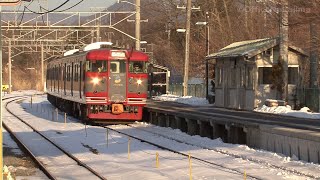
[
  {"x": 245, "y": 48},
  {"x": 250, "y": 48}
]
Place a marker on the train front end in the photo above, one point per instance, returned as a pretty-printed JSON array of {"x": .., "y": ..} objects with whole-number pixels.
[{"x": 116, "y": 85}]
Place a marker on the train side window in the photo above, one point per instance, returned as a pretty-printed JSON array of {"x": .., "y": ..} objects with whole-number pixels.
[
  {"x": 87, "y": 66},
  {"x": 68, "y": 73},
  {"x": 55, "y": 72},
  {"x": 97, "y": 66},
  {"x": 83, "y": 70},
  {"x": 76, "y": 73},
  {"x": 64, "y": 72},
  {"x": 72, "y": 71}
]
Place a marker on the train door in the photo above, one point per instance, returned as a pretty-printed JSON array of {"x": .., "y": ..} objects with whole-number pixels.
[
  {"x": 55, "y": 78},
  {"x": 64, "y": 78},
  {"x": 117, "y": 89},
  {"x": 81, "y": 79},
  {"x": 72, "y": 78}
]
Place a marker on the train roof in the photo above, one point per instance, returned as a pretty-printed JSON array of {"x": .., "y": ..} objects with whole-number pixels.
[{"x": 99, "y": 54}]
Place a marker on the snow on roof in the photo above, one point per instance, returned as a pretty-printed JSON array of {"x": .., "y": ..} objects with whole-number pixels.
[
  {"x": 245, "y": 48},
  {"x": 70, "y": 52},
  {"x": 96, "y": 45},
  {"x": 250, "y": 48}
]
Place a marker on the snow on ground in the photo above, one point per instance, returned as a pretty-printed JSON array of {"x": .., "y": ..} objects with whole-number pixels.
[
  {"x": 102, "y": 149},
  {"x": 243, "y": 151},
  {"x": 194, "y": 101},
  {"x": 287, "y": 111},
  {"x": 282, "y": 110}
]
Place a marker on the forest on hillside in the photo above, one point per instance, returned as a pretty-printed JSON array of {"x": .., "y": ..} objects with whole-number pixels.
[{"x": 229, "y": 21}]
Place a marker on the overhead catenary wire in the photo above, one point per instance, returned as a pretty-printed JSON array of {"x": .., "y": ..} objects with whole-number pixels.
[
  {"x": 50, "y": 10},
  {"x": 66, "y": 8},
  {"x": 24, "y": 10},
  {"x": 47, "y": 11}
]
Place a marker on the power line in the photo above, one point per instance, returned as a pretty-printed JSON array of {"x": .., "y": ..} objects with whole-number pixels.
[
  {"x": 50, "y": 10},
  {"x": 24, "y": 10},
  {"x": 66, "y": 8}
]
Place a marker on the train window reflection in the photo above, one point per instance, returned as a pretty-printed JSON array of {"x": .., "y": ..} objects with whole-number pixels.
[
  {"x": 137, "y": 67},
  {"x": 118, "y": 66},
  {"x": 97, "y": 66},
  {"x": 114, "y": 67}
]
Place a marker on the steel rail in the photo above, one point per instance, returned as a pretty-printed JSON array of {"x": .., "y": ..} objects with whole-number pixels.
[
  {"x": 26, "y": 149},
  {"x": 80, "y": 163},
  {"x": 234, "y": 155},
  {"x": 180, "y": 153}
]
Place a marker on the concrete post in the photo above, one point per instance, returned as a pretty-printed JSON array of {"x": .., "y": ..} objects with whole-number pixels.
[
  {"x": 137, "y": 25},
  {"x": 9, "y": 67},
  {"x": 192, "y": 126}
]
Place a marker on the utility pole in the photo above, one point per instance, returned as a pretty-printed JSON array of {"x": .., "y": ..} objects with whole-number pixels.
[
  {"x": 207, "y": 33},
  {"x": 2, "y": 3},
  {"x": 207, "y": 53},
  {"x": 186, "y": 63},
  {"x": 284, "y": 40},
  {"x": 1, "y": 110},
  {"x": 187, "y": 31},
  {"x": 42, "y": 68},
  {"x": 314, "y": 60},
  {"x": 9, "y": 67},
  {"x": 138, "y": 25}
]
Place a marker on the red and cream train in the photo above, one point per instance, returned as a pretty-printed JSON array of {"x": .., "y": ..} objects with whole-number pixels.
[{"x": 99, "y": 84}]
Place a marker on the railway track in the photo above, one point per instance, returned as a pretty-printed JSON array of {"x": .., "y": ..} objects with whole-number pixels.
[
  {"x": 200, "y": 161},
  {"x": 209, "y": 162},
  {"x": 49, "y": 167},
  {"x": 186, "y": 156},
  {"x": 262, "y": 162}
]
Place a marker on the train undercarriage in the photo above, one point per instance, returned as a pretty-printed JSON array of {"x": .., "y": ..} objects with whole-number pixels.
[{"x": 97, "y": 113}]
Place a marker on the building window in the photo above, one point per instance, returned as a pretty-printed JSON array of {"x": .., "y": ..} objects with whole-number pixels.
[
  {"x": 265, "y": 75},
  {"x": 293, "y": 75}
]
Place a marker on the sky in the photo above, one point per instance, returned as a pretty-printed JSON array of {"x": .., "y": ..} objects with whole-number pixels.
[
  {"x": 111, "y": 149},
  {"x": 83, "y": 6}
]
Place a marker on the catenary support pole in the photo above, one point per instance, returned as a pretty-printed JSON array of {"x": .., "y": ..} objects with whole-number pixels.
[
  {"x": 9, "y": 67},
  {"x": 137, "y": 25},
  {"x": 186, "y": 62}
]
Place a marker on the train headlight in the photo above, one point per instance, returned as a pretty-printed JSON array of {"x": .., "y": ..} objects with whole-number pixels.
[
  {"x": 139, "y": 81},
  {"x": 95, "y": 80}
]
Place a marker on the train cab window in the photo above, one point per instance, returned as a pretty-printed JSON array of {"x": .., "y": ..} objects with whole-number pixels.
[
  {"x": 117, "y": 66},
  {"x": 97, "y": 66},
  {"x": 114, "y": 67},
  {"x": 137, "y": 67}
]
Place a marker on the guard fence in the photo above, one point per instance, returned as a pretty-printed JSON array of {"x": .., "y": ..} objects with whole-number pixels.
[
  {"x": 195, "y": 90},
  {"x": 309, "y": 97}
]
